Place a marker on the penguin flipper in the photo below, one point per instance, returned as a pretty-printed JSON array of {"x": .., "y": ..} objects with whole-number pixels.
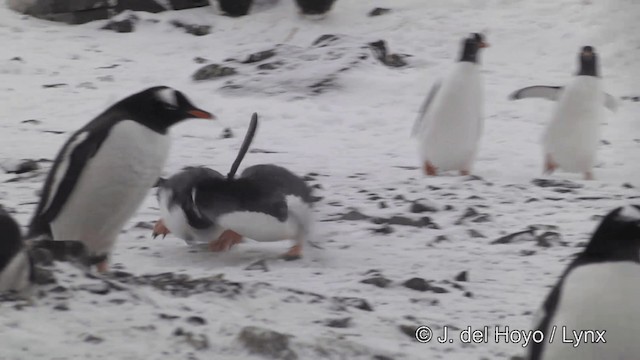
[
  {"x": 539, "y": 91},
  {"x": 425, "y": 107},
  {"x": 62, "y": 178},
  {"x": 610, "y": 102}
]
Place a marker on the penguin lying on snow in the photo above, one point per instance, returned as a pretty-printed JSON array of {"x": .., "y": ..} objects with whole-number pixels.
[
  {"x": 449, "y": 124},
  {"x": 105, "y": 170},
  {"x": 598, "y": 291},
  {"x": 571, "y": 138},
  {"x": 266, "y": 203},
  {"x": 15, "y": 267}
]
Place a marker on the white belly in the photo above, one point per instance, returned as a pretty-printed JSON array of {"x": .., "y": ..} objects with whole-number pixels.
[
  {"x": 15, "y": 275},
  {"x": 599, "y": 297},
  {"x": 176, "y": 221},
  {"x": 112, "y": 186},
  {"x": 572, "y": 136},
  {"x": 452, "y": 128}
]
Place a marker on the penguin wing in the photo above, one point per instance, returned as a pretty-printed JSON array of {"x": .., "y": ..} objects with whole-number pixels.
[
  {"x": 425, "y": 107},
  {"x": 538, "y": 91},
  {"x": 62, "y": 178},
  {"x": 543, "y": 323}
]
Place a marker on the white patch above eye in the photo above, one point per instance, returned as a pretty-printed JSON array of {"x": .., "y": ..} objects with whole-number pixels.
[
  {"x": 629, "y": 212},
  {"x": 168, "y": 96}
]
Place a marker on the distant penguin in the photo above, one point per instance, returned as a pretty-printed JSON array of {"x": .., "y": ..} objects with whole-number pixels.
[
  {"x": 179, "y": 214},
  {"x": 315, "y": 7},
  {"x": 235, "y": 8},
  {"x": 266, "y": 203},
  {"x": 15, "y": 266},
  {"x": 599, "y": 291},
  {"x": 572, "y": 137},
  {"x": 450, "y": 121},
  {"x": 105, "y": 170}
]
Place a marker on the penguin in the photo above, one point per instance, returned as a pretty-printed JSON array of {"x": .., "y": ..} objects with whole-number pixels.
[
  {"x": 314, "y": 7},
  {"x": 15, "y": 266},
  {"x": 103, "y": 172},
  {"x": 571, "y": 138},
  {"x": 598, "y": 291},
  {"x": 266, "y": 203},
  {"x": 450, "y": 121},
  {"x": 235, "y": 8}
]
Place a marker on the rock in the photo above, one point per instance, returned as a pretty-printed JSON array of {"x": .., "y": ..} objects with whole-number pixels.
[
  {"x": 526, "y": 252},
  {"x": 556, "y": 183},
  {"x": 123, "y": 26},
  {"x": 92, "y": 339},
  {"x": 355, "y": 302},
  {"x": 418, "y": 207},
  {"x": 258, "y": 265},
  {"x": 384, "y": 230},
  {"x": 235, "y": 8},
  {"x": 440, "y": 238},
  {"x": 380, "y": 52},
  {"x": 379, "y": 11},
  {"x": 521, "y": 236},
  {"x": 266, "y": 343},
  {"x": 542, "y": 227},
  {"x": 53, "y": 86},
  {"x": 197, "y": 30},
  {"x": 475, "y": 234},
  {"x": 213, "y": 71},
  {"x": 200, "y": 60},
  {"x": 354, "y": 215},
  {"x": 548, "y": 238},
  {"x": 382, "y": 205},
  {"x": 61, "y": 307},
  {"x": 227, "y": 133},
  {"x": 420, "y": 284},
  {"x": 409, "y": 330},
  {"x": 325, "y": 40},
  {"x": 379, "y": 281},
  {"x": 168, "y": 317},
  {"x": 24, "y": 166},
  {"x": 31, "y": 121},
  {"x": 259, "y": 56},
  {"x": 628, "y": 186},
  {"x": 381, "y": 357},
  {"x": 463, "y": 276},
  {"x": 196, "y": 320},
  {"x": 341, "y": 323}
]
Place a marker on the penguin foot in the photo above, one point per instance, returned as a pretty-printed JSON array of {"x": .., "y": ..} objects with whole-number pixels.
[
  {"x": 549, "y": 165},
  {"x": 429, "y": 169},
  {"x": 588, "y": 175},
  {"x": 225, "y": 241},
  {"x": 160, "y": 229},
  {"x": 103, "y": 266},
  {"x": 294, "y": 253},
  {"x": 465, "y": 172}
]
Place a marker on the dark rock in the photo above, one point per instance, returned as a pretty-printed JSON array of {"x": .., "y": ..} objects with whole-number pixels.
[
  {"x": 271, "y": 65},
  {"x": 354, "y": 215},
  {"x": 52, "y": 86},
  {"x": 92, "y": 339},
  {"x": 440, "y": 238},
  {"x": 200, "y": 60},
  {"x": 341, "y": 323},
  {"x": 482, "y": 218},
  {"x": 31, "y": 121},
  {"x": 628, "y": 186},
  {"x": 168, "y": 317},
  {"x": 61, "y": 307},
  {"x": 213, "y": 71},
  {"x": 123, "y": 26},
  {"x": 227, "y": 133},
  {"x": 526, "y": 252},
  {"x": 409, "y": 330},
  {"x": 258, "y": 265},
  {"x": 468, "y": 294},
  {"x": 196, "y": 320},
  {"x": 325, "y": 40},
  {"x": 420, "y": 284},
  {"x": 475, "y": 234},
  {"x": 418, "y": 207},
  {"x": 25, "y": 166},
  {"x": 379, "y": 281},
  {"x": 259, "y": 56},
  {"x": 197, "y": 30},
  {"x": 314, "y": 7},
  {"x": 521, "y": 236},
  {"x": 380, "y": 52},
  {"x": 355, "y": 302},
  {"x": 556, "y": 183},
  {"x": 385, "y": 230},
  {"x": 382, "y": 205},
  {"x": 235, "y": 8},
  {"x": 463, "y": 276},
  {"x": 548, "y": 238},
  {"x": 381, "y": 357},
  {"x": 266, "y": 343},
  {"x": 542, "y": 227},
  {"x": 379, "y": 11}
]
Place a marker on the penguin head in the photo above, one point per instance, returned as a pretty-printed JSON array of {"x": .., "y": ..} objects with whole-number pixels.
[
  {"x": 161, "y": 107},
  {"x": 588, "y": 61},
  {"x": 617, "y": 238},
  {"x": 10, "y": 238},
  {"x": 471, "y": 46}
]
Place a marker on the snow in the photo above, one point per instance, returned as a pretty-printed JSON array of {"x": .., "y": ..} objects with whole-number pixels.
[{"x": 356, "y": 138}]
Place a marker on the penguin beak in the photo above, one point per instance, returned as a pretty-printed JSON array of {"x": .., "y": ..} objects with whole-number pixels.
[
  {"x": 200, "y": 114},
  {"x": 483, "y": 45}
]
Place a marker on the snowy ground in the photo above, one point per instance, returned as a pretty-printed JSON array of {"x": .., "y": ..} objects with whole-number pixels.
[{"x": 355, "y": 138}]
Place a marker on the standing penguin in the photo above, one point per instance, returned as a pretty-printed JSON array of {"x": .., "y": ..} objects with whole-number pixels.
[
  {"x": 314, "y": 7},
  {"x": 571, "y": 139},
  {"x": 449, "y": 123},
  {"x": 15, "y": 267},
  {"x": 104, "y": 171},
  {"x": 598, "y": 291}
]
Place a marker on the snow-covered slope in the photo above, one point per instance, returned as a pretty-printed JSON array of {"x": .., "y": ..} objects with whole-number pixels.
[{"x": 352, "y": 140}]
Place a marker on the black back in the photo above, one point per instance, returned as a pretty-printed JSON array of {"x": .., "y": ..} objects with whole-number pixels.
[
  {"x": 182, "y": 185},
  {"x": 470, "y": 48},
  {"x": 315, "y": 7},
  {"x": 617, "y": 238},
  {"x": 588, "y": 59},
  {"x": 10, "y": 238},
  {"x": 235, "y": 7},
  {"x": 145, "y": 107}
]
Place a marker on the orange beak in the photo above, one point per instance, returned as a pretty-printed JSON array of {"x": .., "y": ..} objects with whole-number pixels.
[
  {"x": 201, "y": 114},
  {"x": 483, "y": 45}
]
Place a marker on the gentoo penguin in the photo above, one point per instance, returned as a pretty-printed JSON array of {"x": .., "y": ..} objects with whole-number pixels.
[
  {"x": 15, "y": 267},
  {"x": 449, "y": 124},
  {"x": 266, "y": 203},
  {"x": 105, "y": 169},
  {"x": 599, "y": 291},
  {"x": 235, "y": 8},
  {"x": 571, "y": 139},
  {"x": 314, "y": 7}
]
